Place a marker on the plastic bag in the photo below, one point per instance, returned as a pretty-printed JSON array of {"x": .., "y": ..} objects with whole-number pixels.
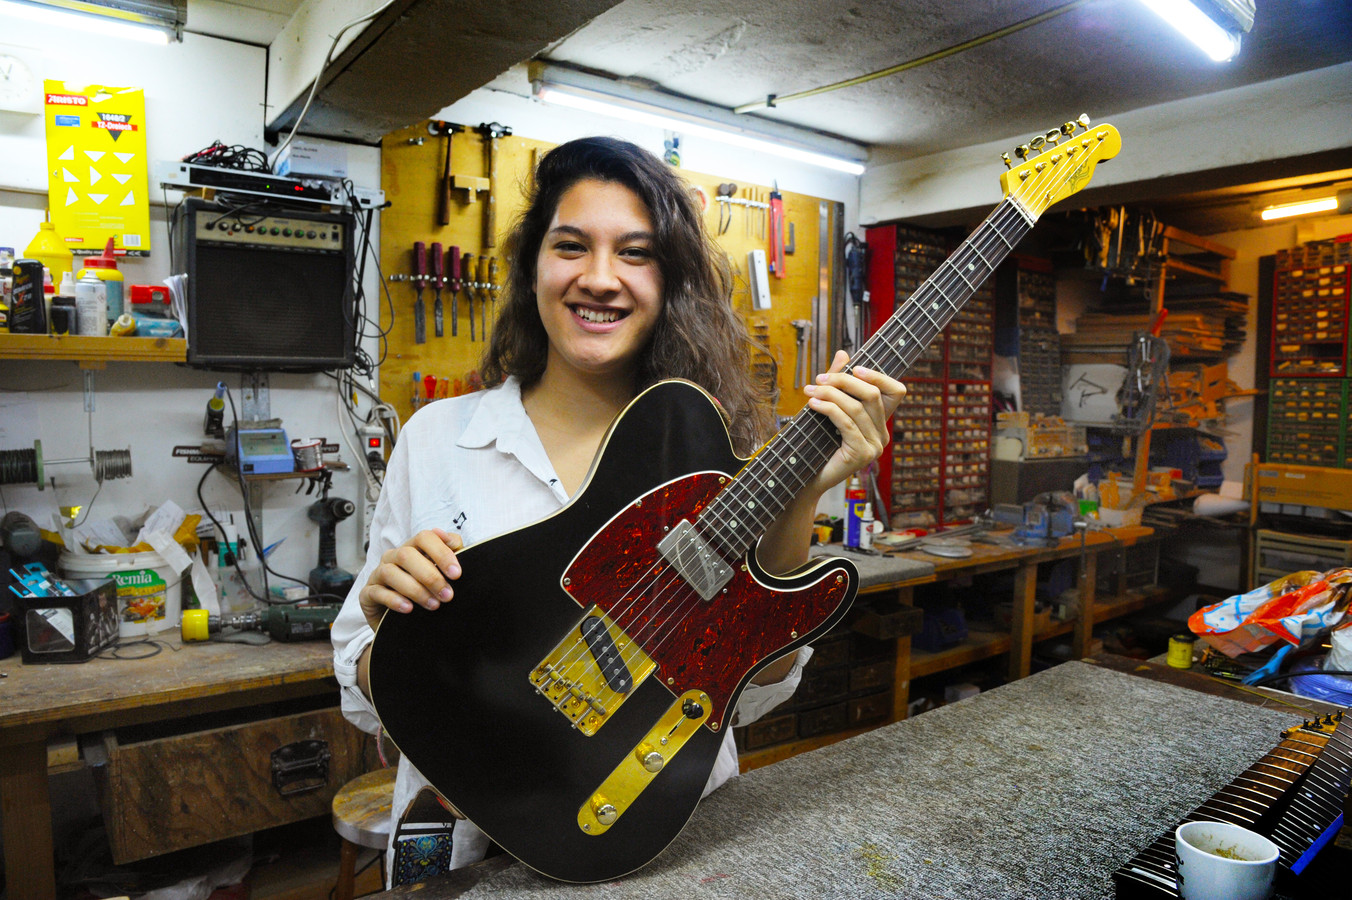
[{"x": 1295, "y": 608}]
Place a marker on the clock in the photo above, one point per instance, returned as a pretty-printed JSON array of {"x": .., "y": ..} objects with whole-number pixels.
[{"x": 19, "y": 90}]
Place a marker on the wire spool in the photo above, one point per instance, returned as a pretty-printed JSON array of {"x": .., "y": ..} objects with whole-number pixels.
[
  {"x": 22, "y": 466},
  {"x": 110, "y": 465}
]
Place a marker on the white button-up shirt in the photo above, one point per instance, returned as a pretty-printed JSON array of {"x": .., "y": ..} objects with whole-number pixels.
[{"x": 474, "y": 465}]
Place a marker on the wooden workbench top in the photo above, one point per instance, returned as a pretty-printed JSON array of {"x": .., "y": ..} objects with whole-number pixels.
[{"x": 197, "y": 675}]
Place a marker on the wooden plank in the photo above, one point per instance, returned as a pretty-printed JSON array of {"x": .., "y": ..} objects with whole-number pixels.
[
  {"x": 26, "y": 817},
  {"x": 92, "y": 350},
  {"x": 1021, "y": 622},
  {"x": 1084, "y": 625}
]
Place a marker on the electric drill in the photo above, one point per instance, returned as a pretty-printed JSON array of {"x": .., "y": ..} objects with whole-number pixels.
[
  {"x": 326, "y": 579},
  {"x": 282, "y": 623}
]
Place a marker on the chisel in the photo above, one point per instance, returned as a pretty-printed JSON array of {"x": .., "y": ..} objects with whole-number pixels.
[
  {"x": 453, "y": 258},
  {"x": 483, "y": 297},
  {"x": 419, "y": 277},
  {"x": 467, "y": 271},
  {"x": 438, "y": 281}
]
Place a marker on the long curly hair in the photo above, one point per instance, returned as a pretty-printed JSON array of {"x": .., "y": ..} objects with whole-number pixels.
[{"x": 698, "y": 337}]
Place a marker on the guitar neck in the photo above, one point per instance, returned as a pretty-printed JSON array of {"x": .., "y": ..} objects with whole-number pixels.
[{"x": 743, "y": 511}]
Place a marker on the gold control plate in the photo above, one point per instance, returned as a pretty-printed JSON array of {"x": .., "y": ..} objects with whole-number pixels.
[
  {"x": 571, "y": 680},
  {"x": 638, "y": 768}
]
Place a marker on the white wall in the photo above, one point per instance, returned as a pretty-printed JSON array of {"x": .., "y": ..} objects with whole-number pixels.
[{"x": 196, "y": 92}]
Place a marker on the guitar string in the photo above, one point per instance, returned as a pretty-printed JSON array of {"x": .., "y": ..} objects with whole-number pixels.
[
  {"x": 1011, "y": 213},
  {"x": 818, "y": 424}
]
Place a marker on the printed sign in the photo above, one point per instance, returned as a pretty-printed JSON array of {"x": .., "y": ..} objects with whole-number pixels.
[{"x": 97, "y": 176}]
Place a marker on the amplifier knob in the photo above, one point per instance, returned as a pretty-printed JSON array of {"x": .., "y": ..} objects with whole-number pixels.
[
  {"x": 286, "y": 232},
  {"x": 309, "y": 234}
]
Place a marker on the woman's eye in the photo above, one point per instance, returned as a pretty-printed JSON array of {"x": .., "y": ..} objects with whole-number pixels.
[
  {"x": 569, "y": 247},
  {"x": 636, "y": 253}
]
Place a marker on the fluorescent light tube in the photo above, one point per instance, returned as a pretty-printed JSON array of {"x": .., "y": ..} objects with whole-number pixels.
[
  {"x": 94, "y": 24},
  {"x": 1301, "y": 208},
  {"x": 1216, "y": 42},
  {"x": 657, "y": 118}
]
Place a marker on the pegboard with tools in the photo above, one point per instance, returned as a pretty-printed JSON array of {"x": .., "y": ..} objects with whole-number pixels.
[{"x": 441, "y": 248}]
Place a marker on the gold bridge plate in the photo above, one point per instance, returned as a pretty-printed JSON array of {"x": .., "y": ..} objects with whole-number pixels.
[
  {"x": 629, "y": 779},
  {"x": 571, "y": 680}
]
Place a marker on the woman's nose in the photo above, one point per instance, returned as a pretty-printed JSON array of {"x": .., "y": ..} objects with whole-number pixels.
[{"x": 599, "y": 276}]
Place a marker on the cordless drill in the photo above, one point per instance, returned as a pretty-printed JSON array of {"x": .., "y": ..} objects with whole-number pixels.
[
  {"x": 281, "y": 623},
  {"x": 326, "y": 579}
]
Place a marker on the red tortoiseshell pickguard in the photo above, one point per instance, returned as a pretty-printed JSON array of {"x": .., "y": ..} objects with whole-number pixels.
[{"x": 697, "y": 645}]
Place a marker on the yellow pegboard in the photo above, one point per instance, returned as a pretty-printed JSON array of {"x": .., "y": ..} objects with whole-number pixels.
[{"x": 412, "y": 165}]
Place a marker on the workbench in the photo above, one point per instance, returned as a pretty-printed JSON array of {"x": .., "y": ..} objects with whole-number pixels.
[
  {"x": 896, "y": 575},
  {"x": 1039, "y": 788},
  {"x": 55, "y": 706}
]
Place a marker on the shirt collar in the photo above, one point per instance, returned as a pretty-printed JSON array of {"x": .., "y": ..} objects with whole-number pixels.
[{"x": 501, "y": 418}]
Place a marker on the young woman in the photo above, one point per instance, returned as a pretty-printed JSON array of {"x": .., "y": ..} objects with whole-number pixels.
[{"x": 613, "y": 284}]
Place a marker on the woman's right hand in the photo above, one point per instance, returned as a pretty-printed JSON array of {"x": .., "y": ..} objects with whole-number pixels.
[{"x": 419, "y": 571}]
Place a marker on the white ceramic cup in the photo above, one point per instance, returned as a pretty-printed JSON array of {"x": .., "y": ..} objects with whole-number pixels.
[{"x": 1220, "y": 861}]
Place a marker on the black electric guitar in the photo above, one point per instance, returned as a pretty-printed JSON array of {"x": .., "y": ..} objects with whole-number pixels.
[{"x": 572, "y": 697}]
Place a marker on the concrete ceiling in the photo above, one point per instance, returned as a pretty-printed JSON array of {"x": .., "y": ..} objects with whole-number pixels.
[{"x": 1105, "y": 57}]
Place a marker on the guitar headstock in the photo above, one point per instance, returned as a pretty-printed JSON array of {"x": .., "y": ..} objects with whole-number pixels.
[{"x": 1058, "y": 163}]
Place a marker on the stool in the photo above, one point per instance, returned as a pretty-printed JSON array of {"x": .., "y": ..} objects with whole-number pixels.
[{"x": 361, "y": 816}]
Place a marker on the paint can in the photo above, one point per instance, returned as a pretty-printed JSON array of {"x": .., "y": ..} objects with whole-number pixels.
[
  {"x": 308, "y": 454},
  {"x": 1180, "y": 651}
]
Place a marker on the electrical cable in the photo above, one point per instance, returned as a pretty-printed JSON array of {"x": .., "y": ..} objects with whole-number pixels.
[{"x": 314, "y": 87}]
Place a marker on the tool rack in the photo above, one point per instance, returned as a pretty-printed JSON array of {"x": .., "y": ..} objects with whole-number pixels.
[{"x": 939, "y": 468}]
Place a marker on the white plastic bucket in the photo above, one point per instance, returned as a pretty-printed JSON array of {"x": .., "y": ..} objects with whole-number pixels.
[{"x": 149, "y": 592}]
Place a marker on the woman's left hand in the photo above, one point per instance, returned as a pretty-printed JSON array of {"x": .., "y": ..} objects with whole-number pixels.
[{"x": 859, "y": 404}]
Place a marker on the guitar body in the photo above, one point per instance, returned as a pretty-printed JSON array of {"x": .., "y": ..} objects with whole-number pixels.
[{"x": 458, "y": 688}]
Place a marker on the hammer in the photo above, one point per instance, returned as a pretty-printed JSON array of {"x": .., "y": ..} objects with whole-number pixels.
[{"x": 490, "y": 132}]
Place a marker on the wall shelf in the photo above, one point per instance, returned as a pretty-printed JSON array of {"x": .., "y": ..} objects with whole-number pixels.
[{"x": 92, "y": 352}]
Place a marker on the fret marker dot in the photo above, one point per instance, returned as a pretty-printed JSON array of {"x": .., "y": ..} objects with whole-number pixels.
[
  {"x": 793, "y": 460},
  {"x": 769, "y": 484},
  {"x": 901, "y": 342},
  {"x": 733, "y": 523},
  {"x": 751, "y": 504},
  {"x": 934, "y": 305}
]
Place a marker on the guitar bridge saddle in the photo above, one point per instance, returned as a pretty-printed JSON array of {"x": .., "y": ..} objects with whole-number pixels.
[
  {"x": 690, "y": 555},
  {"x": 591, "y": 671}
]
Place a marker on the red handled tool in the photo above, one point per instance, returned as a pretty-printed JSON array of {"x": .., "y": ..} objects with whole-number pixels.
[
  {"x": 419, "y": 278},
  {"x": 777, "y": 232},
  {"x": 438, "y": 282},
  {"x": 453, "y": 260}
]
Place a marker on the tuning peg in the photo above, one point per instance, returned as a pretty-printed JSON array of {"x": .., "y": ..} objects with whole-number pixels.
[
  {"x": 1083, "y": 121},
  {"x": 1037, "y": 142},
  {"x": 1053, "y": 136},
  {"x": 1005, "y": 158},
  {"x": 1021, "y": 151},
  {"x": 1068, "y": 129}
]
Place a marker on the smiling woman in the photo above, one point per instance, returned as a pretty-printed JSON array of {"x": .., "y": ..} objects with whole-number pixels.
[{"x": 614, "y": 285}]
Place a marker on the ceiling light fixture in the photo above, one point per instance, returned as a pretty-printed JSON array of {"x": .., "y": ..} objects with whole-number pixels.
[
  {"x": 603, "y": 96},
  {"x": 1213, "y": 25},
  {"x": 1339, "y": 204},
  {"x": 152, "y": 21}
]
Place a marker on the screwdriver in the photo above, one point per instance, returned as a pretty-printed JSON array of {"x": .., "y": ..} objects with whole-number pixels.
[
  {"x": 430, "y": 388},
  {"x": 419, "y": 276},
  {"x": 453, "y": 257}
]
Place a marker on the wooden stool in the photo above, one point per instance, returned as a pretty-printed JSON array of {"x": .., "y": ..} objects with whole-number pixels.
[{"x": 361, "y": 816}]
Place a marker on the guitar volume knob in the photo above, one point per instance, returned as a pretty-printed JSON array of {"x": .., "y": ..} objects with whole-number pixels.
[
  {"x": 650, "y": 759},
  {"x": 604, "y": 810}
]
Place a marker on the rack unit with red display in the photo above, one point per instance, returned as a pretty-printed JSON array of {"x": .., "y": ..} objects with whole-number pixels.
[{"x": 939, "y": 469}]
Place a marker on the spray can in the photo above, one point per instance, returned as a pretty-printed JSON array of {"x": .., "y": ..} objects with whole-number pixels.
[
  {"x": 104, "y": 268},
  {"x": 91, "y": 304},
  {"x": 855, "y": 504}
]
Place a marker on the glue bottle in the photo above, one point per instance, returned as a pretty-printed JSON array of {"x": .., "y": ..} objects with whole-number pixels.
[
  {"x": 48, "y": 248},
  {"x": 104, "y": 268}
]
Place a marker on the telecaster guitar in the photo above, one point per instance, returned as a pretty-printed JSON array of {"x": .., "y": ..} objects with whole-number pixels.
[{"x": 572, "y": 698}]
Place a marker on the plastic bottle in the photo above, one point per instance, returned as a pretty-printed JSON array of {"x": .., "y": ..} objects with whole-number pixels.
[
  {"x": 50, "y": 249},
  {"x": 855, "y": 501},
  {"x": 91, "y": 304},
  {"x": 105, "y": 269}
]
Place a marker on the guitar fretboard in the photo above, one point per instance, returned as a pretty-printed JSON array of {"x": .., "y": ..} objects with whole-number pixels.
[{"x": 743, "y": 511}]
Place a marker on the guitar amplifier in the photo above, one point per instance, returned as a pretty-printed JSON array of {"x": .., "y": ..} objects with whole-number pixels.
[{"x": 268, "y": 287}]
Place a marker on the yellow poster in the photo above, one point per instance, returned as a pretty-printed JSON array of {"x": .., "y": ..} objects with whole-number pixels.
[{"x": 97, "y": 182}]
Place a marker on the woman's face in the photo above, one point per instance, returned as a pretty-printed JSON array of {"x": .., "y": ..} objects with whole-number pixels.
[{"x": 597, "y": 285}]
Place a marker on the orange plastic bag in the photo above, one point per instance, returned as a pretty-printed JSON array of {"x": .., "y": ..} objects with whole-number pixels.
[{"x": 1294, "y": 608}]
